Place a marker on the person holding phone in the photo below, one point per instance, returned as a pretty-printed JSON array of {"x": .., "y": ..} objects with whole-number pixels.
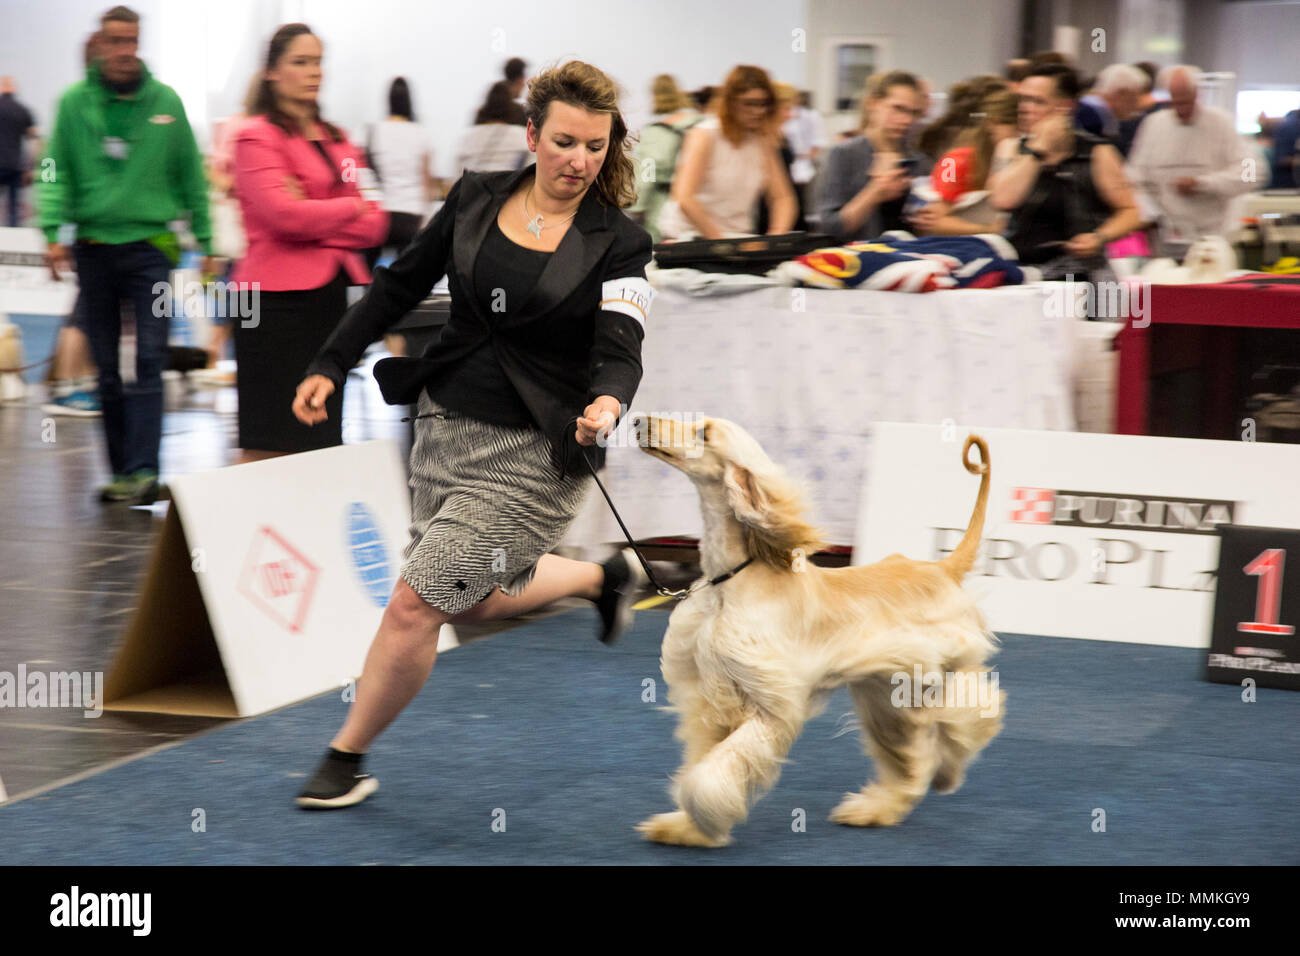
[
  {"x": 867, "y": 178},
  {"x": 1064, "y": 190}
]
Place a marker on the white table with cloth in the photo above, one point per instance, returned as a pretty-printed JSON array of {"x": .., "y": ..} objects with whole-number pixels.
[{"x": 809, "y": 383}]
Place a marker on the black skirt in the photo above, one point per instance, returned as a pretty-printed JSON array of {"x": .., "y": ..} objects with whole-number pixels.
[{"x": 270, "y": 360}]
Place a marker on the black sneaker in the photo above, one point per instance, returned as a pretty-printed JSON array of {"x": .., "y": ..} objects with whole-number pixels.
[
  {"x": 338, "y": 783},
  {"x": 121, "y": 488},
  {"x": 139, "y": 488},
  {"x": 624, "y": 577},
  {"x": 147, "y": 488}
]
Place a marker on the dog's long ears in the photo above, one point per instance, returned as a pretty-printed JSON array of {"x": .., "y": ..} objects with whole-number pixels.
[
  {"x": 769, "y": 510},
  {"x": 745, "y": 494},
  {"x": 962, "y": 558}
]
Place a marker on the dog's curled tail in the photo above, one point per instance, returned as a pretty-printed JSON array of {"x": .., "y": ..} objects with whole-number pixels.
[{"x": 962, "y": 558}]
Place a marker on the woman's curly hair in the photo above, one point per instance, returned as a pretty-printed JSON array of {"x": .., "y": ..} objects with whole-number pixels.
[{"x": 583, "y": 86}]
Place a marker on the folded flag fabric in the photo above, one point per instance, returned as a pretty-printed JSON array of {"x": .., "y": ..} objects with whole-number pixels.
[{"x": 900, "y": 262}]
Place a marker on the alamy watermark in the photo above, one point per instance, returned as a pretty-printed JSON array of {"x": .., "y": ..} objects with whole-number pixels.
[
  {"x": 216, "y": 300},
  {"x": 38, "y": 689},
  {"x": 957, "y": 689},
  {"x": 127, "y": 910},
  {"x": 1125, "y": 299},
  {"x": 655, "y": 430}
]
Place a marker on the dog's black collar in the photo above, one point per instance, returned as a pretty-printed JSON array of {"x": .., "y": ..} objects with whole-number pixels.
[
  {"x": 736, "y": 570},
  {"x": 701, "y": 585}
]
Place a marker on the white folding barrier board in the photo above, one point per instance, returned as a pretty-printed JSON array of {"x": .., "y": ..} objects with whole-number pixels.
[
  {"x": 26, "y": 286},
  {"x": 267, "y": 583},
  {"x": 1106, "y": 537}
]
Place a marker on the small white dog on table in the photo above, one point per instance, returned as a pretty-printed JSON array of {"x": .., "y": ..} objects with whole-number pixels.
[
  {"x": 1209, "y": 259},
  {"x": 765, "y": 636}
]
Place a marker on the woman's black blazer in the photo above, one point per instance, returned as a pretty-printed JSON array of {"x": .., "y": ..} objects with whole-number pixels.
[{"x": 576, "y": 337}]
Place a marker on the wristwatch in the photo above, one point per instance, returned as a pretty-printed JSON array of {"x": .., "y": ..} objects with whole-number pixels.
[{"x": 1026, "y": 151}]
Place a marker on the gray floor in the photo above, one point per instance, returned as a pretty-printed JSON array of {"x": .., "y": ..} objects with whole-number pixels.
[{"x": 70, "y": 568}]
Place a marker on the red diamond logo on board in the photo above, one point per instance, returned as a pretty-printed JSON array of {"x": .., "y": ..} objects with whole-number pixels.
[{"x": 278, "y": 579}]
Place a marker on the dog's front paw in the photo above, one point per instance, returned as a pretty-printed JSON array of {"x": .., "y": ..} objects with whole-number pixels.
[
  {"x": 871, "y": 808},
  {"x": 677, "y": 829}
]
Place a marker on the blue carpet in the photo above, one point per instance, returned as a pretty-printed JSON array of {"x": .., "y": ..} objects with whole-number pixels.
[{"x": 548, "y": 726}]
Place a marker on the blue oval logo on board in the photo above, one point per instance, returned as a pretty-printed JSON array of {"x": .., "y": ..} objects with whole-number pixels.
[{"x": 369, "y": 556}]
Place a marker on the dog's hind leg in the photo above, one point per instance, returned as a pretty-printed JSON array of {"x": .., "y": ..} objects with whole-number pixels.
[
  {"x": 962, "y": 736},
  {"x": 903, "y": 743}
]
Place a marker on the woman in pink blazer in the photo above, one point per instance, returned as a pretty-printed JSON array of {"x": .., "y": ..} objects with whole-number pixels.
[{"x": 304, "y": 217}]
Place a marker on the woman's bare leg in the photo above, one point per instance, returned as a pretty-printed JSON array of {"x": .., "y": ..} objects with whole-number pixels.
[
  {"x": 403, "y": 652},
  {"x": 555, "y": 578},
  {"x": 397, "y": 665}
]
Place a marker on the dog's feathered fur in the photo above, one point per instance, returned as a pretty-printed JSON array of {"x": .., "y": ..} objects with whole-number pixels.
[{"x": 749, "y": 661}]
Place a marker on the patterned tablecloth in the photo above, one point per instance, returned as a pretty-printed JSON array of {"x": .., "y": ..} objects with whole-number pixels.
[{"x": 807, "y": 372}]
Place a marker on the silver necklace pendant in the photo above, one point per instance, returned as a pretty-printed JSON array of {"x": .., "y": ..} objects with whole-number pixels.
[{"x": 535, "y": 226}]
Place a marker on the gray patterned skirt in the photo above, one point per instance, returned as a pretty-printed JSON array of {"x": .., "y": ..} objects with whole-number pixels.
[{"x": 486, "y": 504}]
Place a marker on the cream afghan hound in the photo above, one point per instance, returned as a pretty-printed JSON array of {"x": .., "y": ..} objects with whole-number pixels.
[{"x": 748, "y": 660}]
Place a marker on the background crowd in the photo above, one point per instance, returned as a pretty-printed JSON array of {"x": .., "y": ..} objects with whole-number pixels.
[{"x": 1070, "y": 170}]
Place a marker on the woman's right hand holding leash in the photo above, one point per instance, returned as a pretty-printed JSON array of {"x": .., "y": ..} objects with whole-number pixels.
[{"x": 309, "y": 403}]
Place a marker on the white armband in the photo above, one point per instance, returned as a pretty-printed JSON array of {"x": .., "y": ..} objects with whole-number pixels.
[{"x": 631, "y": 296}]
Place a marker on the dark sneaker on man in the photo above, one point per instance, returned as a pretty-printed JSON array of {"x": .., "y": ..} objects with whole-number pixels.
[
  {"x": 624, "y": 577},
  {"x": 337, "y": 783},
  {"x": 121, "y": 488},
  {"x": 147, "y": 487}
]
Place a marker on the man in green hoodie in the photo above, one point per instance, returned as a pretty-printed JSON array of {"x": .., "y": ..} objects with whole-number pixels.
[{"x": 122, "y": 164}]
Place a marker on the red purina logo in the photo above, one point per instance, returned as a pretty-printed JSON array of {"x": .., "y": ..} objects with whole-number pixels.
[
  {"x": 1032, "y": 505},
  {"x": 278, "y": 579}
]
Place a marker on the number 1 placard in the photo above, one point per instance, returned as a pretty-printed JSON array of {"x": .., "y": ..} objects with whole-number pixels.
[
  {"x": 1268, "y": 564},
  {"x": 1256, "y": 608}
]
